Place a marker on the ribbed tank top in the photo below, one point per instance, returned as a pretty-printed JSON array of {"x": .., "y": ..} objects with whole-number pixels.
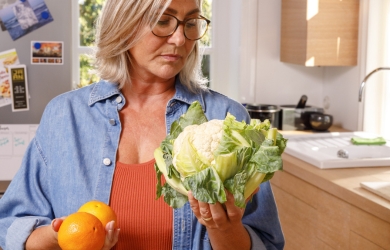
[{"x": 144, "y": 222}]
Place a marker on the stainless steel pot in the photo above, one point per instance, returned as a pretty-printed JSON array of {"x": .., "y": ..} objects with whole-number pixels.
[{"x": 264, "y": 111}]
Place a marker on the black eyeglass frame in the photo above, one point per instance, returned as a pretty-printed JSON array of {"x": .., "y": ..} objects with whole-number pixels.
[{"x": 184, "y": 22}]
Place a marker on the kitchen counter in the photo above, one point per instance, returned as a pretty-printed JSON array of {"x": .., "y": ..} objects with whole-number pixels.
[
  {"x": 3, "y": 186},
  {"x": 322, "y": 208}
]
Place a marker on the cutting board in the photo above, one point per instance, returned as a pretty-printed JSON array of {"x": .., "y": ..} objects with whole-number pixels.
[{"x": 380, "y": 188}]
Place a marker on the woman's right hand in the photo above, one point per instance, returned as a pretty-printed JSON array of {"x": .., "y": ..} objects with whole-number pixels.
[
  {"x": 46, "y": 237},
  {"x": 112, "y": 234}
]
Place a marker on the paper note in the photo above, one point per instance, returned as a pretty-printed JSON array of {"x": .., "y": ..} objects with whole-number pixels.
[{"x": 14, "y": 140}]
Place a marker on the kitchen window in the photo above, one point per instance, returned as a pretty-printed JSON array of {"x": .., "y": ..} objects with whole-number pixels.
[{"x": 376, "y": 110}]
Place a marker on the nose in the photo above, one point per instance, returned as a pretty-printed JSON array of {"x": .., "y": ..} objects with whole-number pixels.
[{"x": 178, "y": 37}]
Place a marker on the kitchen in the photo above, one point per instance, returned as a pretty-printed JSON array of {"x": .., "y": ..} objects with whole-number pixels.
[{"x": 264, "y": 78}]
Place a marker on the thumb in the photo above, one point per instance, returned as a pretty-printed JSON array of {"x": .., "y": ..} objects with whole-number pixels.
[{"x": 56, "y": 223}]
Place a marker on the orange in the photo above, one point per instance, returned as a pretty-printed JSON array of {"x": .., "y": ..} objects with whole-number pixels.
[
  {"x": 101, "y": 210},
  {"x": 81, "y": 231}
]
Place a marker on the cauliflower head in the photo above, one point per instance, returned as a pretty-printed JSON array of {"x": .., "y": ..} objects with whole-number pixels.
[{"x": 196, "y": 145}]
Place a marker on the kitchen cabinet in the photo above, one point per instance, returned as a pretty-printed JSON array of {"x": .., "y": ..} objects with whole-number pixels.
[
  {"x": 319, "y": 32},
  {"x": 327, "y": 209}
]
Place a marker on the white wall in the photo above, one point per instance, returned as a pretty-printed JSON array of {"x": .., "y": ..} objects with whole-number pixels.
[
  {"x": 284, "y": 83},
  {"x": 277, "y": 82}
]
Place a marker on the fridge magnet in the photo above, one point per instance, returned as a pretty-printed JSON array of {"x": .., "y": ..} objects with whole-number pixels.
[
  {"x": 7, "y": 58},
  {"x": 25, "y": 16},
  {"x": 47, "y": 52},
  {"x": 3, "y": 4},
  {"x": 19, "y": 88},
  {"x": 5, "y": 90}
]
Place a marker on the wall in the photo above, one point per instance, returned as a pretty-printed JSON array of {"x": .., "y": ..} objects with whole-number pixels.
[
  {"x": 284, "y": 83},
  {"x": 44, "y": 82}
]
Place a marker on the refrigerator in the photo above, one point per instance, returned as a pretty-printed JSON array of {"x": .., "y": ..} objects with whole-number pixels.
[{"x": 29, "y": 30}]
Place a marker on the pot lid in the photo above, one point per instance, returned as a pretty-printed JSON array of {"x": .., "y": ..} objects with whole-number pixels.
[{"x": 262, "y": 107}]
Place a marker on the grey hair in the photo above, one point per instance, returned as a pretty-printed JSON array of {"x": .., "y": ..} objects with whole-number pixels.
[{"x": 119, "y": 27}]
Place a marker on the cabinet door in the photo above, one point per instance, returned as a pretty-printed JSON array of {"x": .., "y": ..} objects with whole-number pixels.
[{"x": 319, "y": 32}]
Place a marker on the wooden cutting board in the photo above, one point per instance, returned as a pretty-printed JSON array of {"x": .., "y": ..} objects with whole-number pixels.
[{"x": 380, "y": 188}]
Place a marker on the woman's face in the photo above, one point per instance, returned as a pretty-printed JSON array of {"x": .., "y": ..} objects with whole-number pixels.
[{"x": 161, "y": 58}]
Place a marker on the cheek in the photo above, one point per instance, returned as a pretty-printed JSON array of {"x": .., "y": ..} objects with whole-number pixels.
[{"x": 190, "y": 46}]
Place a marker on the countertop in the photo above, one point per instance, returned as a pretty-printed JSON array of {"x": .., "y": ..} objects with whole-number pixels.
[{"x": 343, "y": 183}]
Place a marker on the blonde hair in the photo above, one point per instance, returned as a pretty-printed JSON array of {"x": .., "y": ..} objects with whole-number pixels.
[{"x": 119, "y": 27}]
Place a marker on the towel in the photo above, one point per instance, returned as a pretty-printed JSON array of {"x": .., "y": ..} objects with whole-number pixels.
[{"x": 368, "y": 141}]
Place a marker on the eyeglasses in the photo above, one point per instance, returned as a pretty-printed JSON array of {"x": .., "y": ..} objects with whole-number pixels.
[{"x": 194, "y": 28}]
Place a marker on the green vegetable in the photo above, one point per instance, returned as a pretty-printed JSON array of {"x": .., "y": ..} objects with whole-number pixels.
[{"x": 208, "y": 157}]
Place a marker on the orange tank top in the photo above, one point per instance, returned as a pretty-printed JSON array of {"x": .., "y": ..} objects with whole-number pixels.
[{"x": 144, "y": 222}]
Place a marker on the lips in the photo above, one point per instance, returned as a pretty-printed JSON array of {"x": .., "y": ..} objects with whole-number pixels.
[{"x": 171, "y": 57}]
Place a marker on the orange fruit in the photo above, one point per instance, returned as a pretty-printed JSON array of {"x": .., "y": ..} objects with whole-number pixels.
[
  {"x": 81, "y": 231},
  {"x": 101, "y": 210}
]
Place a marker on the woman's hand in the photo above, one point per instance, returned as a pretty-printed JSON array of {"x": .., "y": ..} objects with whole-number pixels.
[
  {"x": 223, "y": 223},
  {"x": 46, "y": 237},
  {"x": 112, "y": 234}
]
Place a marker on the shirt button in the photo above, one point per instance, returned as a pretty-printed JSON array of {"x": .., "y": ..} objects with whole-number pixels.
[
  {"x": 112, "y": 122},
  {"x": 118, "y": 99},
  {"x": 106, "y": 161}
]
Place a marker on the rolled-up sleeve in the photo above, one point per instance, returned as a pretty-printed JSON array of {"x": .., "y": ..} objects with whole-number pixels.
[
  {"x": 24, "y": 205},
  {"x": 262, "y": 221}
]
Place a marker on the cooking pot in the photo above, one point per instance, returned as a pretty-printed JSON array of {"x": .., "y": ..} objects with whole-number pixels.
[
  {"x": 264, "y": 111},
  {"x": 292, "y": 118}
]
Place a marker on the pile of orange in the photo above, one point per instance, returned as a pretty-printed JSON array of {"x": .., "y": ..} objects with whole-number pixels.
[{"x": 85, "y": 229}]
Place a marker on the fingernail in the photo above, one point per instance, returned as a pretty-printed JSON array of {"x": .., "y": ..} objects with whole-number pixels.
[
  {"x": 111, "y": 225},
  {"x": 52, "y": 223}
]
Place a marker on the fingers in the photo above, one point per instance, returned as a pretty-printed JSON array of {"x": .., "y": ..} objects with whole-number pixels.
[
  {"x": 56, "y": 223},
  {"x": 112, "y": 235},
  {"x": 251, "y": 196},
  {"x": 209, "y": 215},
  {"x": 234, "y": 213},
  {"x": 200, "y": 210}
]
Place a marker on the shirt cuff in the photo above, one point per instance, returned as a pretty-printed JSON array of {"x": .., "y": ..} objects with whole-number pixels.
[
  {"x": 20, "y": 230},
  {"x": 256, "y": 242}
]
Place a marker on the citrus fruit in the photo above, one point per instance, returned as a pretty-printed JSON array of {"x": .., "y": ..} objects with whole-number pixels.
[
  {"x": 81, "y": 231},
  {"x": 101, "y": 210}
]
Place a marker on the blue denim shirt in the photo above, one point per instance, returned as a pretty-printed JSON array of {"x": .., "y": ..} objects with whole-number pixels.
[{"x": 72, "y": 160}]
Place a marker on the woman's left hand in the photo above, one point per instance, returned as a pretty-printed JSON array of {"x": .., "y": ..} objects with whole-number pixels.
[
  {"x": 223, "y": 222},
  {"x": 216, "y": 215}
]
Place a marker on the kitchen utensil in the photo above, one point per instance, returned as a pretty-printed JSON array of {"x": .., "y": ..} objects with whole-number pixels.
[
  {"x": 321, "y": 122},
  {"x": 264, "y": 111},
  {"x": 302, "y": 102},
  {"x": 290, "y": 116},
  {"x": 305, "y": 118}
]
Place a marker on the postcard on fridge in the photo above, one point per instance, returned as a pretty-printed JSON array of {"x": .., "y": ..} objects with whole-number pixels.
[
  {"x": 47, "y": 52},
  {"x": 19, "y": 88}
]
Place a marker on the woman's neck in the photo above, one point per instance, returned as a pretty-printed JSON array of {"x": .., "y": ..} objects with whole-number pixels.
[{"x": 140, "y": 93}]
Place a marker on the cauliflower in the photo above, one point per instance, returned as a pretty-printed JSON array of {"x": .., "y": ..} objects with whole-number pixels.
[
  {"x": 204, "y": 138},
  {"x": 208, "y": 157}
]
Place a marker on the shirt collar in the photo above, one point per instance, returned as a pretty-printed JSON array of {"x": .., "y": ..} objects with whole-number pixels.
[
  {"x": 184, "y": 95},
  {"x": 104, "y": 89}
]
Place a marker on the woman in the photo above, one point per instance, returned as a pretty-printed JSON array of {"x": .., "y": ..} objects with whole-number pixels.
[{"x": 98, "y": 142}]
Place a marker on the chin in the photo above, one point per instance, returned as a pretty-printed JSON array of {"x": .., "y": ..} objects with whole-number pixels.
[{"x": 168, "y": 74}]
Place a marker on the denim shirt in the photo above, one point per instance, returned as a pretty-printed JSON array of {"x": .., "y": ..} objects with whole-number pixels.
[{"x": 72, "y": 160}]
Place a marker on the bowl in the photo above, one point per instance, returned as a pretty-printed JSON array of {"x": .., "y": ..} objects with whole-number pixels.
[
  {"x": 305, "y": 118},
  {"x": 321, "y": 122}
]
